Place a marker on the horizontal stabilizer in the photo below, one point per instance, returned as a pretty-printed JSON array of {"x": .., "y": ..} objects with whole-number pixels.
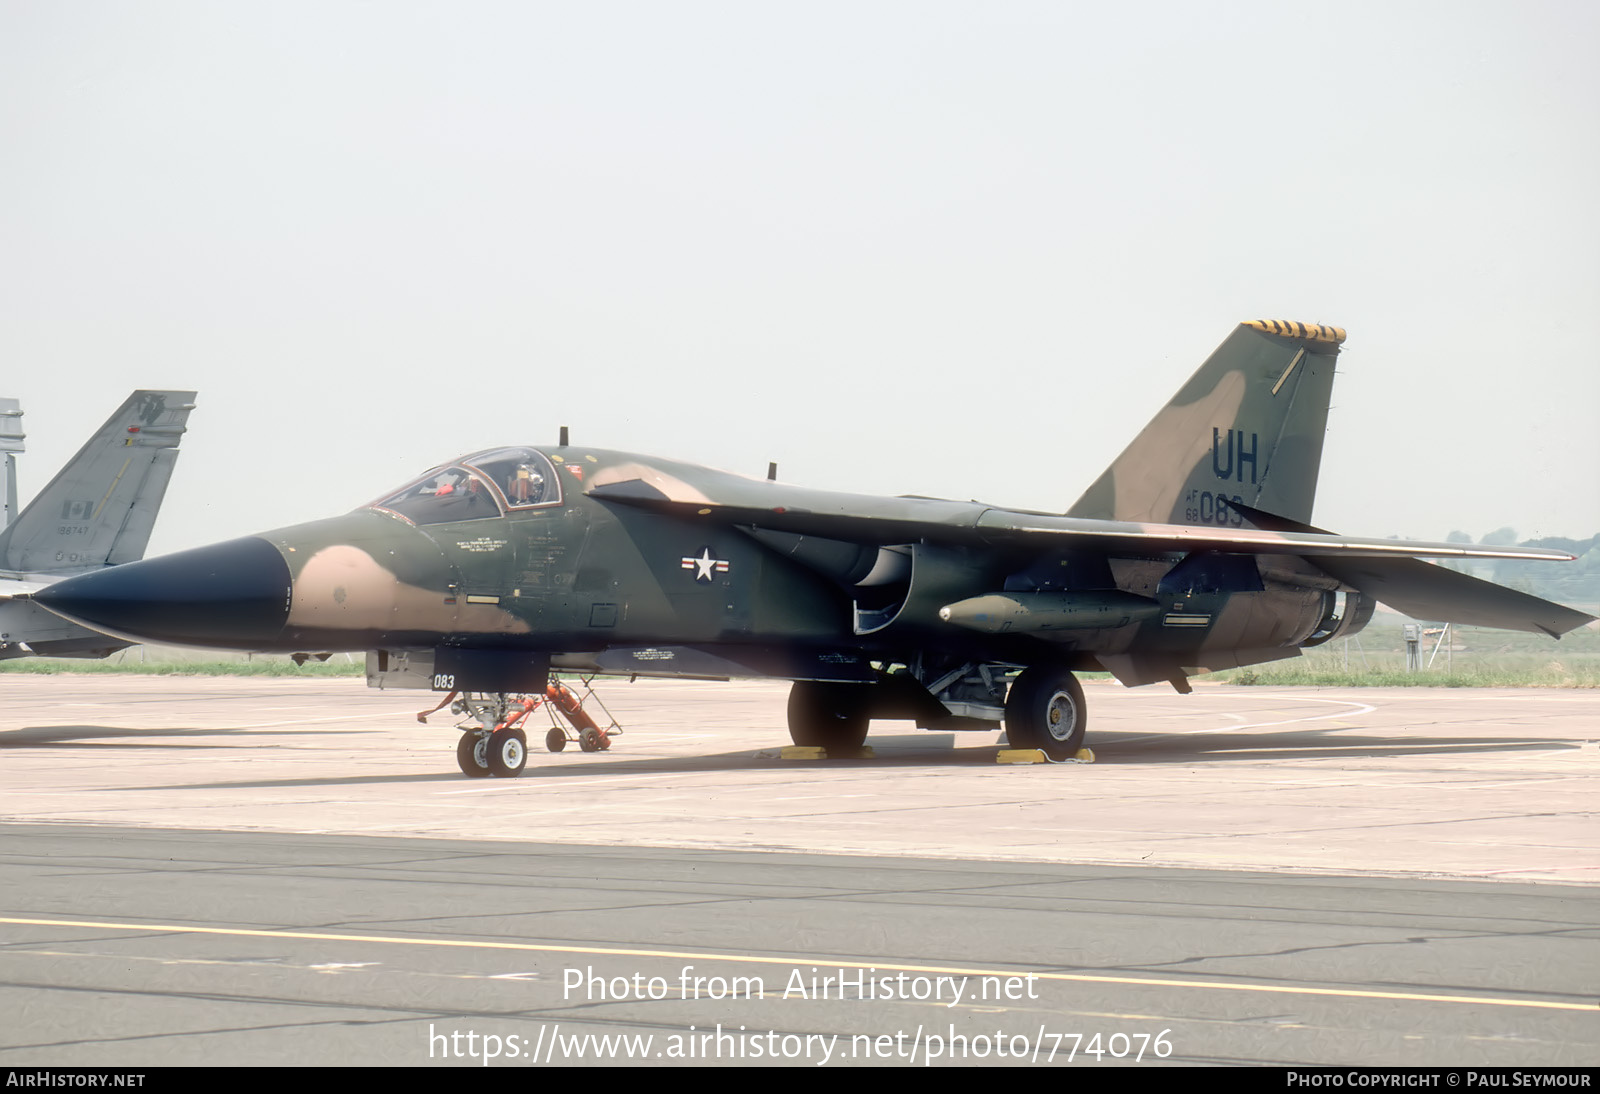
[{"x": 1425, "y": 591}]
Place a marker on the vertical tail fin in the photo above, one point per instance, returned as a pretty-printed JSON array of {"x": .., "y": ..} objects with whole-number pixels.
[
  {"x": 1248, "y": 426},
  {"x": 100, "y": 508}
]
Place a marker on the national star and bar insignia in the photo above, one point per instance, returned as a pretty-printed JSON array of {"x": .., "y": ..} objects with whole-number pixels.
[{"x": 704, "y": 565}]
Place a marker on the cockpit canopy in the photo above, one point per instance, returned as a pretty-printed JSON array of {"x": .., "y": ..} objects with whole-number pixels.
[{"x": 485, "y": 484}]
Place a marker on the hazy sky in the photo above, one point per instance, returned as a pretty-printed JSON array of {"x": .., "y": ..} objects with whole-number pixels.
[{"x": 958, "y": 249}]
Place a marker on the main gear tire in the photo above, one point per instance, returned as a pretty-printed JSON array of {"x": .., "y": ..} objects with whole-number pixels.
[
  {"x": 834, "y": 717},
  {"x": 507, "y": 753},
  {"x": 472, "y": 756},
  {"x": 1045, "y": 710}
]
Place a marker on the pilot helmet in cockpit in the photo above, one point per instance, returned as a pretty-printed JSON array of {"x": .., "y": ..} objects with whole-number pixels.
[{"x": 527, "y": 485}]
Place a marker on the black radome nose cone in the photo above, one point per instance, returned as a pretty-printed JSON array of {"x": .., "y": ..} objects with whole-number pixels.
[{"x": 231, "y": 595}]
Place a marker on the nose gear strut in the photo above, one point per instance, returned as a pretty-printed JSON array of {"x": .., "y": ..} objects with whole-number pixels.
[{"x": 494, "y": 741}]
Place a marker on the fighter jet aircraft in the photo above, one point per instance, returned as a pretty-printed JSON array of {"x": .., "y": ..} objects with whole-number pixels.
[
  {"x": 1192, "y": 552},
  {"x": 97, "y": 512}
]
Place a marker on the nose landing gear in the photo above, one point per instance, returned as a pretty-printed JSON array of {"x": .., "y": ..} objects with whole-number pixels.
[{"x": 494, "y": 742}]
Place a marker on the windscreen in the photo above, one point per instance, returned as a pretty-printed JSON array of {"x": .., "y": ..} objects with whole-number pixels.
[{"x": 448, "y": 494}]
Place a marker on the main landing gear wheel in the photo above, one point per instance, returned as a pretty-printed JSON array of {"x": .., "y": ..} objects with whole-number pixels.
[
  {"x": 555, "y": 740},
  {"x": 832, "y": 716},
  {"x": 472, "y": 755},
  {"x": 1045, "y": 710},
  {"x": 507, "y": 752}
]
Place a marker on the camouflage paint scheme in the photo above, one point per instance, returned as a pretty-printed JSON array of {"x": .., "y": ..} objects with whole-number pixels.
[{"x": 1190, "y": 553}]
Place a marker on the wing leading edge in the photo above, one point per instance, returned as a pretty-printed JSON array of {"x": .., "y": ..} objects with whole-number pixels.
[{"x": 732, "y": 499}]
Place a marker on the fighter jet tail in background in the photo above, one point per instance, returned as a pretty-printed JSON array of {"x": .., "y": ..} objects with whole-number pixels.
[{"x": 97, "y": 512}]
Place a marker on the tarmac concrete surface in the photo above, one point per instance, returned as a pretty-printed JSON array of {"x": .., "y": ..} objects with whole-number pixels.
[
  {"x": 128, "y": 947},
  {"x": 1483, "y": 783},
  {"x": 210, "y": 870}
]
